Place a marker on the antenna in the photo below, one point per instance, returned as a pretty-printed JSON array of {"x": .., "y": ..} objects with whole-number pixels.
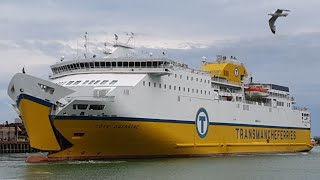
[
  {"x": 106, "y": 51},
  {"x": 77, "y": 48},
  {"x": 116, "y": 38},
  {"x": 86, "y": 43},
  {"x": 131, "y": 36}
]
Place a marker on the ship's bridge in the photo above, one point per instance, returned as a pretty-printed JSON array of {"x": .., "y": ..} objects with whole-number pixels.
[
  {"x": 229, "y": 69},
  {"x": 121, "y": 60}
]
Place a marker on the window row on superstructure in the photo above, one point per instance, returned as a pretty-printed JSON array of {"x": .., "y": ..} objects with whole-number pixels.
[
  {"x": 274, "y": 94},
  {"x": 109, "y": 64},
  {"x": 178, "y": 88},
  {"x": 191, "y": 78},
  {"x": 88, "y": 82}
]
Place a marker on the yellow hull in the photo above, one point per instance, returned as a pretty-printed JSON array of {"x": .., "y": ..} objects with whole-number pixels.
[{"x": 83, "y": 137}]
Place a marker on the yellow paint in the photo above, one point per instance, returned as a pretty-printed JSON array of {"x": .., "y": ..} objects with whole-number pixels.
[
  {"x": 115, "y": 139},
  {"x": 112, "y": 138},
  {"x": 36, "y": 120},
  {"x": 226, "y": 71}
]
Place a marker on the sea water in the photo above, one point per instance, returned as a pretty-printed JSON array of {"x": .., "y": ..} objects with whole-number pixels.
[{"x": 286, "y": 166}]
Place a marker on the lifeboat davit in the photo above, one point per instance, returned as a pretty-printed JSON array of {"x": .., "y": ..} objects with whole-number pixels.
[{"x": 256, "y": 92}]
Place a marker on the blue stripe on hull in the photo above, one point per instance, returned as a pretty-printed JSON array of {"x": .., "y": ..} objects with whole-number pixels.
[
  {"x": 34, "y": 99},
  {"x": 107, "y": 118}
]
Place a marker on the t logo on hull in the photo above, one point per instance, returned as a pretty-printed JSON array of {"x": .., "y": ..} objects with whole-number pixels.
[{"x": 202, "y": 122}]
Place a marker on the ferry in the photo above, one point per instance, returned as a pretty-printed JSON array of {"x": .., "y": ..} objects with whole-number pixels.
[{"x": 128, "y": 105}]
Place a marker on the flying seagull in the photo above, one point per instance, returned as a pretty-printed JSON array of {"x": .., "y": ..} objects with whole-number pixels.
[{"x": 275, "y": 15}]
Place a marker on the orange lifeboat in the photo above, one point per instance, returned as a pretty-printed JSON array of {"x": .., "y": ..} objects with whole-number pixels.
[{"x": 256, "y": 92}]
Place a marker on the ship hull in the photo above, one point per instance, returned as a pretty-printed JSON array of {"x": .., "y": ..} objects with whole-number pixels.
[{"x": 101, "y": 137}]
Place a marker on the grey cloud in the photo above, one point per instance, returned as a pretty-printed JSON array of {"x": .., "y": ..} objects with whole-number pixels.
[
  {"x": 56, "y": 19},
  {"x": 239, "y": 28}
]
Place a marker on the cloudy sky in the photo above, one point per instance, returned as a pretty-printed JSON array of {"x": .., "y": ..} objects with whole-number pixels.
[{"x": 35, "y": 34}]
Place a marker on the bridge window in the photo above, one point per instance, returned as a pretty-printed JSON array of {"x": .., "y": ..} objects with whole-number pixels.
[
  {"x": 125, "y": 64},
  {"x": 155, "y": 84},
  {"x": 114, "y": 64},
  {"x": 108, "y": 64},
  {"x": 143, "y": 64},
  {"x": 103, "y": 64},
  {"x": 149, "y": 64},
  {"x": 131, "y": 64},
  {"x": 137, "y": 64},
  {"x": 119, "y": 64},
  {"x": 144, "y": 83},
  {"x": 96, "y": 107},
  {"x": 96, "y": 64},
  {"x": 155, "y": 64},
  {"x": 87, "y": 65}
]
